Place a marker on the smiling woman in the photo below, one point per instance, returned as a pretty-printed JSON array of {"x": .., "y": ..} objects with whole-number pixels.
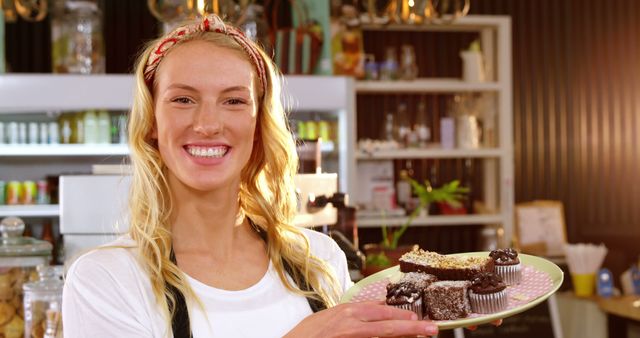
[{"x": 212, "y": 250}]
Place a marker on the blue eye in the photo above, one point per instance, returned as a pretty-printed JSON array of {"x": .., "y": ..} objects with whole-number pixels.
[
  {"x": 236, "y": 101},
  {"x": 182, "y": 100}
]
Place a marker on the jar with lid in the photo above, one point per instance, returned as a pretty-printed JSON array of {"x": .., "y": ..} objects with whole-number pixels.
[
  {"x": 43, "y": 304},
  {"x": 77, "y": 41},
  {"x": 19, "y": 257}
]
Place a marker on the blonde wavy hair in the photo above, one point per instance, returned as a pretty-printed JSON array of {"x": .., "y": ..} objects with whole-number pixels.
[{"x": 267, "y": 191}]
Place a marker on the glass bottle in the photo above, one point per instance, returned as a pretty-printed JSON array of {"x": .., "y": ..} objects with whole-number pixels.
[
  {"x": 387, "y": 132},
  {"x": 77, "y": 40},
  {"x": 389, "y": 67},
  {"x": 408, "y": 66},
  {"x": 403, "y": 127},
  {"x": 421, "y": 127},
  {"x": 43, "y": 304}
]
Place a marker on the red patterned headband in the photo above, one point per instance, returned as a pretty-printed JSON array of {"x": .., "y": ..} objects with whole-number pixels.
[{"x": 210, "y": 23}]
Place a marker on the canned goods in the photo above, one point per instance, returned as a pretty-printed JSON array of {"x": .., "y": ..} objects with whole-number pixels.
[
  {"x": 43, "y": 192},
  {"x": 12, "y": 133},
  {"x": 29, "y": 192},
  {"x": 3, "y": 189},
  {"x": 54, "y": 135},
  {"x": 312, "y": 130},
  {"x": 22, "y": 133},
  {"x": 44, "y": 133},
  {"x": 14, "y": 190},
  {"x": 302, "y": 130},
  {"x": 33, "y": 133},
  {"x": 324, "y": 130}
]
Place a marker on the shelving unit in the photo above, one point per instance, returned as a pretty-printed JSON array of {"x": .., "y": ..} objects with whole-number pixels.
[
  {"x": 432, "y": 220},
  {"x": 47, "y": 94},
  {"x": 41, "y": 210},
  {"x": 497, "y": 160},
  {"x": 425, "y": 86}
]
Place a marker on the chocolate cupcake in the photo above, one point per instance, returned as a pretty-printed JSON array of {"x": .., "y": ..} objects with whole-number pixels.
[
  {"x": 487, "y": 293},
  {"x": 405, "y": 295},
  {"x": 507, "y": 265}
]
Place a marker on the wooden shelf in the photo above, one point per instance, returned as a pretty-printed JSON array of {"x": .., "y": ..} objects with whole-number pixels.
[
  {"x": 37, "y": 210},
  {"x": 431, "y": 220},
  {"x": 429, "y": 153},
  {"x": 425, "y": 86},
  {"x": 27, "y": 150}
]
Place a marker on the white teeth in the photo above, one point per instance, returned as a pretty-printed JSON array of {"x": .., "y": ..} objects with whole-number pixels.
[{"x": 207, "y": 151}]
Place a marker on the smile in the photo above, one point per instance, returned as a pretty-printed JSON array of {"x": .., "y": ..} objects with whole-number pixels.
[{"x": 210, "y": 152}]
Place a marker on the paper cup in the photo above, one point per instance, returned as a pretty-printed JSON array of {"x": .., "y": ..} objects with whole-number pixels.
[{"x": 583, "y": 284}]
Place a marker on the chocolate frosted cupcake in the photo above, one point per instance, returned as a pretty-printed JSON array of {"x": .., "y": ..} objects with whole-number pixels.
[
  {"x": 507, "y": 265},
  {"x": 487, "y": 293},
  {"x": 405, "y": 295}
]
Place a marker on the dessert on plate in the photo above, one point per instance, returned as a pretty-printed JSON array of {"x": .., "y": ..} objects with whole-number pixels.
[
  {"x": 507, "y": 265},
  {"x": 487, "y": 293}
]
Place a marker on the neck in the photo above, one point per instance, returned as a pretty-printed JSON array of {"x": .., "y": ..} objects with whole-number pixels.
[{"x": 206, "y": 222}]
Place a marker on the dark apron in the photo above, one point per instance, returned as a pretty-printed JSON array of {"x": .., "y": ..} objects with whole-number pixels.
[{"x": 180, "y": 321}]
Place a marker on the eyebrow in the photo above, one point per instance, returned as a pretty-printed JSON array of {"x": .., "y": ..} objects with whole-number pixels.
[{"x": 187, "y": 87}]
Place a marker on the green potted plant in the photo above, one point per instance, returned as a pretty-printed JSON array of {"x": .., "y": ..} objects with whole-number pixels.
[
  {"x": 448, "y": 196},
  {"x": 386, "y": 253}
]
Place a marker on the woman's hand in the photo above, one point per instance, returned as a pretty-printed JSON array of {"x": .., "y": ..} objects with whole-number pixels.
[{"x": 365, "y": 319}]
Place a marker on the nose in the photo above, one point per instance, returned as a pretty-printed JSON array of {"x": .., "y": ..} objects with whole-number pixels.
[{"x": 208, "y": 121}]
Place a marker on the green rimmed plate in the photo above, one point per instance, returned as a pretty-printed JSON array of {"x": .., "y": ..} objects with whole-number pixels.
[{"x": 541, "y": 279}]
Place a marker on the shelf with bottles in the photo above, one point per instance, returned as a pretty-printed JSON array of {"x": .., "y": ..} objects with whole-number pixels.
[
  {"x": 436, "y": 152},
  {"x": 425, "y": 85},
  {"x": 83, "y": 133}
]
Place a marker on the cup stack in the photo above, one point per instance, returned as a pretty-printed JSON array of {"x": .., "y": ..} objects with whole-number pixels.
[{"x": 584, "y": 261}]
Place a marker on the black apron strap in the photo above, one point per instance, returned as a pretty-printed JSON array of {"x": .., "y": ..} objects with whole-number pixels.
[{"x": 180, "y": 320}]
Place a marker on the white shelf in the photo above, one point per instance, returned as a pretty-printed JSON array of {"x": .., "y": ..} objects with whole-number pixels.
[
  {"x": 425, "y": 86},
  {"x": 27, "y": 150},
  {"x": 429, "y": 153},
  {"x": 47, "y": 92},
  {"x": 35, "y": 93},
  {"x": 37, "y": 210},
  {"x": 431, "y": 220}
]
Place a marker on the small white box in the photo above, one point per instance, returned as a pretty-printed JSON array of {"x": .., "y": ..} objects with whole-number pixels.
[{"x": 447, "y": 132}]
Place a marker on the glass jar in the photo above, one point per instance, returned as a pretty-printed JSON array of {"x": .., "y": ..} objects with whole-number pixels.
[
  {"x": 43, "y": 304},
  {"x": 77, "y": 41},
  {"x": 19, "y": 257}
]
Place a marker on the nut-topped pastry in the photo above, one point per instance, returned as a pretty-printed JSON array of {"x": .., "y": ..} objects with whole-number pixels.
[
  {"x": 487, "y": 293},
  {"x": 444, "y": 267},
  {"x": 507, "y": 265}
]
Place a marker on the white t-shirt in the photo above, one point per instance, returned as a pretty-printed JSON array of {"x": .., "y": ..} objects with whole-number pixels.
[{"x": 107, "y": 294}]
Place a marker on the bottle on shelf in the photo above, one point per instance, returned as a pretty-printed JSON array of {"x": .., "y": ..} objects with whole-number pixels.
[
  {"x": 389, "y": 67},
  {"x": 421, "y": 127},
  {"x": 78, "y": 133},
  {"x": 90, "y": 127},
  {"x": 434, "y": 181},
  {"x": 408, "y": 65},
  {"x": 65, "y": 128},
  {"x": 387, "y": 132},
  {"x": 403, "y": 187},
  {"x": 403, "y": 126},
  {"x": 104, "y": 127}
]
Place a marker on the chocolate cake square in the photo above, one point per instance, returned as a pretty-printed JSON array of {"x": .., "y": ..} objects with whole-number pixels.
[{"x": 447, "y": 300}]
